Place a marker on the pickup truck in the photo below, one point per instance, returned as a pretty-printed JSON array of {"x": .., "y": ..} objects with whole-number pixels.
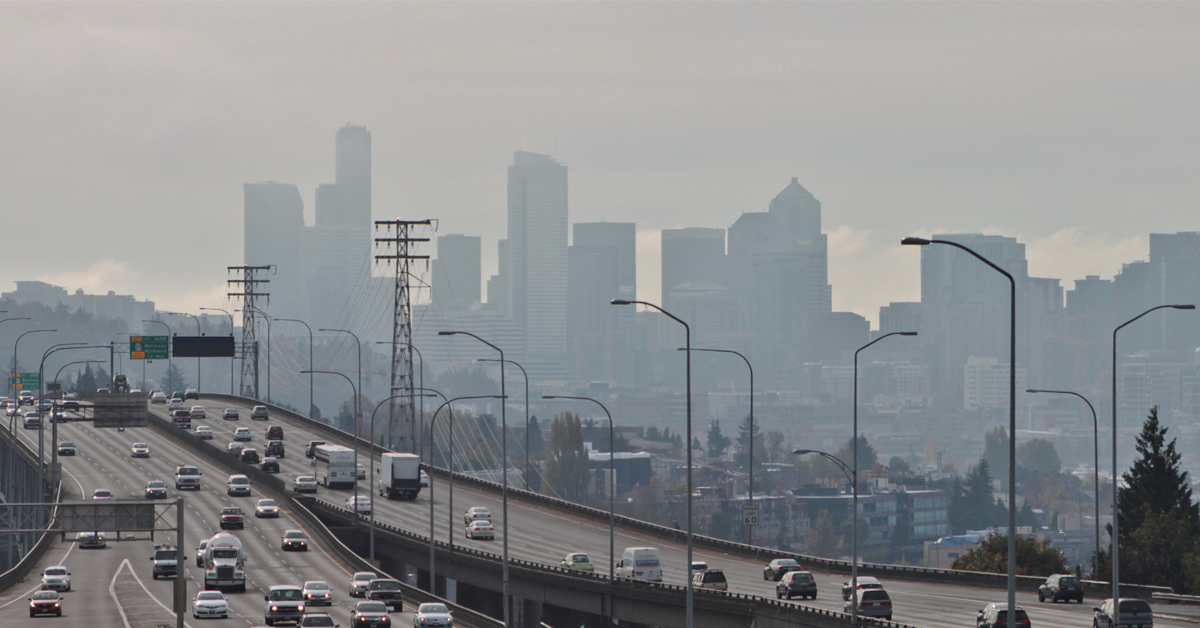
[{"x": 232, "y": 517}]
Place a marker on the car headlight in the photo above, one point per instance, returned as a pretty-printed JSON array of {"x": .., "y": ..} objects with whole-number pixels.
[
  {"x": 274, "y": 608},
  {"x": 300, "y": 608}
]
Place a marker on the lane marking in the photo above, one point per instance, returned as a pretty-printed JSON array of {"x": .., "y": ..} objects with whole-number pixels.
[{"x": 112, "y": 591}]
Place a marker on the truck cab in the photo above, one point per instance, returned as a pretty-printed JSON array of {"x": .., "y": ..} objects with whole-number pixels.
[{"x": 224, "y": 563}]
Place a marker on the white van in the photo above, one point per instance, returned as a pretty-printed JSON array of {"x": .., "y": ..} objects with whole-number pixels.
[{"x": 640, "y": 563}]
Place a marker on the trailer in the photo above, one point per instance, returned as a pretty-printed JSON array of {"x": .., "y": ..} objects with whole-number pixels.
[{"x": 400, "y": 476}]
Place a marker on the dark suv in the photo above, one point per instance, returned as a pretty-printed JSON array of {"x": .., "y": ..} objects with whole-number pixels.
[
  {"x": 387, "y": 591},
  {"x": 274, "y": 449},
  {"x": 796, "y": 584},
  {"x": 776, "y": 568},
  {"x": 1064, "y": 587},
  {"x": 994, "y": 616},
  {"x": 311, "y": 450},
  {"x": 1134, "y": 612},
  {"x": 275, "y": 432}
]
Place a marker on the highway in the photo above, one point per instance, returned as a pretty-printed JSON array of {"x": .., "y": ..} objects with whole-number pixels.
[
  {"x": 104, "y": 461},
  {"x": 545, "y": 535}
]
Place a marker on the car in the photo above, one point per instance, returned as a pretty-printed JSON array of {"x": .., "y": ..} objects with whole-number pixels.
[
  {"x": 232, "y": 517},
  {"x": 360, "y": 504},
  {"x": 577, "y": 561},
  {"x": 318, "y": 592},
  {"x": 995, "y": 615},
  {"x": 359, "y": 582},
  {"x": 796, "y": 584},
  {"x": 45, "y": 404},
  {"x": 204, "y": 432},
  {"x": 191, "y": 393},
  {"x": 230, "y": 414},
  {"x": 242, "y": 434},
  {"x": 1135, "y": 613},
  {"x": 285, "y": 602},
  {"x": 32, "y": 420},
  {"x": 66, "y": 448},
  {"x": 432, "y": 615},
  {"x": 56, "y": 578},
  {"x": 158, "y": 397},
  {"x": 210, "y": 604},
  {"x": 25, "y": 397},
  {"x": 370, "y": 615},
  {"x": 864, "y": 582},
  {"x": 424, "y": 479},
  {"x": 388, "y": 591},
  {"x": 362, "y": 471},
  {"x": 311, "y": 449},
  {"x": 70, "y": 401},
  {"x": 235, "y": 448},
  {"x": 166, "y": 562},
  {"x": 259, "y": 413},
  {"x": 304, "y": 484},
  {"x": 156, "y": 489},
  {"x": 275, "y": 432},
  {"x": 317, "y": 620},
  {"x": 266, "y": 508},
  {"x": 200, "y": 552},
  {"x": 175, "y": 404},
  {"x": 198, "y": 412},
  {"x": 480, "y": 529},
  {"x": 871, "y": 603},
  {"x": 1061, "y": 587},
  {"x": 139, "y": 450},
  {"x": 294, "y": 540},
  {"x": 712, "y": 579},
  {"x": 91, "y": 540},
  {"x": 237, "y": 484},
  {"x": 45, "y": 603},
  {"x": 13, "y": 408},
  {"x": 181, "y": 417},
  {"x": 476, "y": 512},
  {"x": 178, "y": 394},
  {"x": 102, "y": 494},
  {"x": 249, "y": 455},
  {"x": 269, "y": 464},
  {"x": 275, "y": 449},
  {"x": 187, "y": 476},
  {"x": 58, "y": 415}
]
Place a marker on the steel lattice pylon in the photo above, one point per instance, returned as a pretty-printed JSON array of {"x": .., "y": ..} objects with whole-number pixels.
[{"x": 249, "y": 282}]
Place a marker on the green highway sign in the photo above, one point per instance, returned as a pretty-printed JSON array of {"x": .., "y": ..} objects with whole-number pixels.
[
  {"x": 53, "y": 386},
  {"x": 25, "y": 381},
  {"x": 148, "y": 347}
]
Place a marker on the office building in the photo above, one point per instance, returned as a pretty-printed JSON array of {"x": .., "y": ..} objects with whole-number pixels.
[
  {"x": 691, "y": 255},
  {"x": 457, "y": 272}
]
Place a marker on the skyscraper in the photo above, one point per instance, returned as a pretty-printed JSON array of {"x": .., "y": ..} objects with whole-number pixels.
[
  {"x": 274, "y": 221},
  {"x": 457, "y": 272},
  {"x": 601, "y": 267},
  {"x": 691, "y": 255},
  {"x": 537, "y": 253}
]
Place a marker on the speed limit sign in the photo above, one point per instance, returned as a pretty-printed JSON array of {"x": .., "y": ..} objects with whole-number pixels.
[{"x": 750, "y": 514}]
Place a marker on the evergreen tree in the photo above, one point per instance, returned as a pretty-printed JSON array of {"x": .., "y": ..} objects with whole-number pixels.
[
  {"x": 743, "y": 442},
  {"x": 567, "y": 470},
  {"x": 899, "y": 466},
  {"x": 1038, "y": 455},
  {"x": 972, "y": 506},
  {"x": 867, "y": 456},
  {"x": 718, "y": 443},
  {"x": 823, "y": 541},
  {"x": 537, "y": 443},
  {"x": 995, "y": 451},
  {"x": 174, "y": 381}
]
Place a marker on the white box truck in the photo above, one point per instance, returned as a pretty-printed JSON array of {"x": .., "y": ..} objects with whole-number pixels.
[
  {"x": 400, "y": 476},
  {"x": 335, "y": 466},
  {"x": 640, "y": 563}
]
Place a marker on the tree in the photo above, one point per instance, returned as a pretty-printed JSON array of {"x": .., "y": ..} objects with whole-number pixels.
[
  {"x": 718, "y": 443},
  {"x": 174, "y": 381},
  {"x": 743, "y": 441},
  {"x": 468, "y": 381},
  {"x": 972, "y": 506},
  {"x": 537, "y": 443},
  {"x": 1038, "y": 455},
  {"x": 567, "y": 471},
  {"x": 867, "y": 456},
  {"x": 898, "y": 465},
  {"x": 823, "y": 541},
  {"x": 1034, "y": 558},
  {"x": 995, "y": 451},
  {"x": 776, "y": 452}
]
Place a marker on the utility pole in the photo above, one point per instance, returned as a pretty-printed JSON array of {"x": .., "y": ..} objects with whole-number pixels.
[
  {"x": 396, "y": 247},
  {"x": 247, "y": 280}
]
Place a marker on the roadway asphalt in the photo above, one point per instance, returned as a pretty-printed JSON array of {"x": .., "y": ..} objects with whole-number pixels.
[
  {"x": 104, "y": 461},
  {"x": 545, "y": 535}
]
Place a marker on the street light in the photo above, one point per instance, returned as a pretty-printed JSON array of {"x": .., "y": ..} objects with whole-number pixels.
[
  {"x": 54, "y": 429},
  {"x": 750, "y": 492},
  {"x": 612, "y": 481},
  {"x": 16, "y": 367},
  {"x": 688, "y": 353},
  {"x": 310, "y": 361},
  {"x": 23, "y": 318},
  {"x": 1116, "y": 580},
  {"x": 1095, "y": 476},
  {"x": 197, "y": 319},
  {"x": 170, "y": 375},
  {"x": 1012, "y": 413},
  {"x": 503, "y": 461},
  {"x": 526, "y": 411},
  {"x": 231, "y": 358},
  {"x": 355, "y": 389}
]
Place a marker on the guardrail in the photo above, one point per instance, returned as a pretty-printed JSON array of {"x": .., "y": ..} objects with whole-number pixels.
[
  {"x": 1175, "y": 598},
  {"x": 896, "y": 572},
  {"x": 279, "y": 489}
]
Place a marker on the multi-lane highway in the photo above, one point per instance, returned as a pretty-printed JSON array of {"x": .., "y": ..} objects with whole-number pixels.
[
  {"x": 100, "y": 575},
  {"x": 545, "y": 535}
]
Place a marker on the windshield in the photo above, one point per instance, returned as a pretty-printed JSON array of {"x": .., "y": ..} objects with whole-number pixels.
[
  {"x": 102, "y": 493},
  {"x": 372, "y": 607},
  {"x": 225, "y": 553},
  {"x": 1134, "y": 606},
  {"x": 385, "y": 585},
  {"x": 1002, "y": 615},
  {"x": 56, "y": 571},
  {"x": 365, "y": 575},
  {"x": 287, "y": 594},
  {"x": 187, "y": 471},
  {"x": 1072, "y": 581},
  {"x": 306, "y": 478},
  {"x": 787, "y": 562},
  {"x": 874, "y": 595},
  {"x": 266, "y": 502},
  {"x": 433, "y": 608},
  {"x": 580, "y": 558},
  {"x": 318, "y": 620},
  {"x": 45, "y": 595},
  {"x": 210, "y": 595},
  {"x": 66, "y": 444},
  {"x": 802, "y": 577},
  {"x": 164, "y": 555},
  {"x": 157, "y": 484},
  {"x": 139, "y": 445},
  {"x": 293, "y": 535},
  {"x": 316, "y": 585},
  {"x": 714, "y": 576},
  {"x": 241, "y": 480},
  {"x": 232, "y": 511}
]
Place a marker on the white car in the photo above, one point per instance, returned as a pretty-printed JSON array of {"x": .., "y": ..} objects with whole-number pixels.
[
  {"x": 158, "y": 397},
  {"x": 304, "y": 484},
  {"x": 242, "y": 434},
  {"x": 433, "y": 615},
  {"x": 139, "y": 450},
  {"x": 424, "y": 480},
  {"x": 90, "y": 539},
  {"x": 175, "y": 403},
  {"x": 360, "y": 504},
  {"x": 102, "y": 493},
  {"x": 266, "y": 508},
  {"x": 198, "y": 412},
  {"x": 204, "y": 431},
  {"x": 210, "y": 604},
  {"x": 362, "y": 472},
  {"x": 318, "y": 592},
  {"x": 237, "y": 484},
  {"x": 481, "y": 529},
  {"x": 475, "y": 513},
  {"x": 56, "y": 578}
]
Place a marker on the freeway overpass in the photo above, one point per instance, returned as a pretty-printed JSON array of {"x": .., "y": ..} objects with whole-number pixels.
[{"x": 542, "y": 533}]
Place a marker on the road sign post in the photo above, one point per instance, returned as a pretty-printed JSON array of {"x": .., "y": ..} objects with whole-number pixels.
[
  {"x": 26, "y": 381},
  {"x": 148, "y": 347},
  {"x": 750, "y": 514}
]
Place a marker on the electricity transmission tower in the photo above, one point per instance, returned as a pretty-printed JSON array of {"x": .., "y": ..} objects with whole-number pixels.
[{"x": 247, "y": 281}]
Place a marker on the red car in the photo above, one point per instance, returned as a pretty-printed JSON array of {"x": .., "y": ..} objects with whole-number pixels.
[
  {"x": 45, "y": 603},
  {"x": 232, "y": 517}
]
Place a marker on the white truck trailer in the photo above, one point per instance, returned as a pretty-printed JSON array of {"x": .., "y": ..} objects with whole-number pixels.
[
  {"x": 335, "y": 466},
  {"x": 400, "y": 476}
]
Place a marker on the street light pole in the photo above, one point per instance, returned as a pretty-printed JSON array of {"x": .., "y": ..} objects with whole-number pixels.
[
  {"x": 526, "y": 412},
  {"x": 355, "y": 389},
  {"x": 503, "y": 464},
  {"x": 10, "y": 383},
  {"x": 1095, "y": 476},
  {"x": 1116, "y": 580},
  {"x": 1012, "y": 413},
  {"x": 231, "y": 358},
  {"x": 170, "y": 375},
  {"x": 687, "y": 330},
  {"x": 310, "y": 361},
  {"x": 16, "y": 366}
]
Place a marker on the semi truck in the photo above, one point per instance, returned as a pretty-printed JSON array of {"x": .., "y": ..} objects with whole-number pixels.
[
  {"x": 335, "y": 466},
  {"x": 224, "y": 563},
  {"x": 400, "y": 476}
]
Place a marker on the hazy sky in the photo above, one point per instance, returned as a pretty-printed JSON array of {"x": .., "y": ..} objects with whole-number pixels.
[{"x": 128, "y": 129}]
